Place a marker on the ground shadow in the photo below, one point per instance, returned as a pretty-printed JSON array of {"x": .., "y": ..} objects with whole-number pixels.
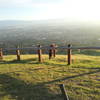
[
  {"x": 90, "y": 52},
  {"x": 20, "y": 90},
  {"x": 27, "y": 71},
  {"x": 86, "y": 67},
  {"x": 29, "y": 61},
  {"x": 71, "y": 77}
]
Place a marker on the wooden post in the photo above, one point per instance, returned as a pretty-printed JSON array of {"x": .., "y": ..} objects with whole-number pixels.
[
  {"x": 50, "y": 52},
  {"x": 54, "y": 50},
  {"x": 1, "y": 54},
  {"x": 39, "y": 53},
  {"x": 18, "y": 54},
  {"x": 79, "y": 50},
  {"x": 69, "y": 55},
  {"x": 64, "y": 93}
]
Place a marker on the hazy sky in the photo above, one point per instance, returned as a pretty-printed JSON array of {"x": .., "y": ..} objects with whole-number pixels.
[{"x": 83, "y": 10}]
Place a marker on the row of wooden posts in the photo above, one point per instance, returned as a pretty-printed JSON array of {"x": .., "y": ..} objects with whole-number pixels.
[{"x": 52, "y": 53}]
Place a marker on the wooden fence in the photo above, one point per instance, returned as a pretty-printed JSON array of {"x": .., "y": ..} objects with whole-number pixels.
[{"x": 52, "y": 51}]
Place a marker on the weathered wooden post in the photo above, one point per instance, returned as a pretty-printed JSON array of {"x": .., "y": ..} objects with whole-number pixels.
[
  {"x": 79, "y": 50},
  {"x": 69, "y": 54},
  {"x": 64, "y": 93},
  {"x": 18, "y": 54},
  {"x": 1, "y": 54},
  {"x": 51, "y": 51},
  {"x": 39, "y": 53},
  {"x": 54, "y": 50}
]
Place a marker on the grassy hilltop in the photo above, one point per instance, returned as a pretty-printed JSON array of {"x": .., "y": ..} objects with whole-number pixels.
[{"x": 29, "y": 80}]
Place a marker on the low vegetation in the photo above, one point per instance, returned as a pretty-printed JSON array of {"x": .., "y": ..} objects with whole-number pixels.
[{"x": 29, "y": 80}]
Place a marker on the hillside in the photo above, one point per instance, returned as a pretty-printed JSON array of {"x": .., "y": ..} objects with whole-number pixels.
[{"x": 29, "y": 80}]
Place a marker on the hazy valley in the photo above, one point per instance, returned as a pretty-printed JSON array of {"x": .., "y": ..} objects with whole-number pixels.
[{"x": 29, "y": 33}]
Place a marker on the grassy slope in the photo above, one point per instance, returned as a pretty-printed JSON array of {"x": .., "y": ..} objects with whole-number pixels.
[{"x": 30, "y": 80}]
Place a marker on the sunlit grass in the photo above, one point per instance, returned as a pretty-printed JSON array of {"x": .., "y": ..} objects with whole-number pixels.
[{"x": 30, "y": 80}]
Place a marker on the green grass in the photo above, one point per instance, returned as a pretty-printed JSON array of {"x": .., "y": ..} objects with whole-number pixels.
[{"x": 29, "y": 80}]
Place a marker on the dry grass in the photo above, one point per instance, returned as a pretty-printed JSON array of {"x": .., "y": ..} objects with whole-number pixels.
[{"x": 29, "y": 80}]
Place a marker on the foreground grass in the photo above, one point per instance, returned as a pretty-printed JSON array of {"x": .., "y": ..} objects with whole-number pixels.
[{"x": 29, "y": 80}]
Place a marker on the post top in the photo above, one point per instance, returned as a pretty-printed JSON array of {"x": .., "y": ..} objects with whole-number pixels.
[{"x": 69, "y": 45}]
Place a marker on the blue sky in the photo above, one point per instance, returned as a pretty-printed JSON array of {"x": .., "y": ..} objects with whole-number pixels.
[
  {"x": 26, "y": 9},
  {"x": 49, "y": 9}
]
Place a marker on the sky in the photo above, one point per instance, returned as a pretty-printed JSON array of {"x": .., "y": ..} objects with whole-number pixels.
[{"x": 81, "y": 10}]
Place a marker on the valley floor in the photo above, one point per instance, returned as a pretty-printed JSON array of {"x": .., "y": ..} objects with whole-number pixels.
[{"x": 29, "y": 80}]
